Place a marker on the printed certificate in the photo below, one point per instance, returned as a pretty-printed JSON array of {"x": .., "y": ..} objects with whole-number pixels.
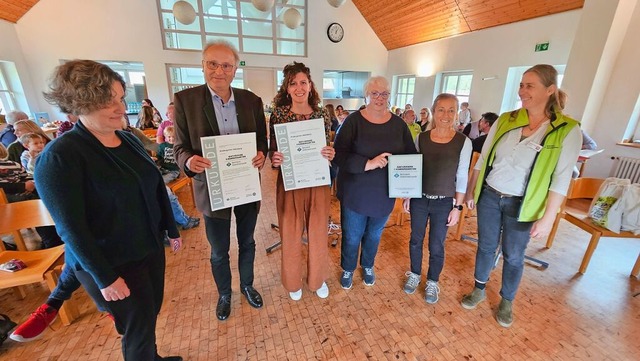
[
  {"x": 405, "y": 176},
  {"x": 303, "y": 165},
  {"x": 232, "y": 180}
]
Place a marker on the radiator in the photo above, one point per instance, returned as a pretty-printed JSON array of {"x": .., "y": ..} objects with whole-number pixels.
[{"x": 626, "y": 168}]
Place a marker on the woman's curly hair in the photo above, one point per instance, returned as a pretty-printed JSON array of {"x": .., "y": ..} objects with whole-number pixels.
[
  {"x": 290, "y": 71},
  {"x": 82, "y": 86}
]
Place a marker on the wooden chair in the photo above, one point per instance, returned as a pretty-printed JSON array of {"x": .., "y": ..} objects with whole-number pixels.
[
  {"x": 465, "y": 210},
  {"x": 635, "y": 272},
  {"x": 180, "y": 182},
  {"x": 20, "y": 215},
  {"x": 42, "y": 265},
  {"x": 575, "y": 209}
]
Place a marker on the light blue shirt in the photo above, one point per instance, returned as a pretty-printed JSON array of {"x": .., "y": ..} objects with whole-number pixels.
[{"x": 226, "y": 114}]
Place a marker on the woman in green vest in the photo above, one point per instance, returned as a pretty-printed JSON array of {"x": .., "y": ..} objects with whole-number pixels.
[{"x": 519, "y": 182}]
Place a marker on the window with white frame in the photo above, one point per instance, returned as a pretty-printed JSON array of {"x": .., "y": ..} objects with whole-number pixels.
[
  {"x": 457, "y": 83},
  {"x": 6, "y": 96},
  {"x": 405, "y": 87},
  {"x": 187, "y": 76},
  {"x": 632, "y": 133},
  {"x": 12, "y": 95},
  {"x": 511, "y": 99},
  {"x": 240, "y": 23}
]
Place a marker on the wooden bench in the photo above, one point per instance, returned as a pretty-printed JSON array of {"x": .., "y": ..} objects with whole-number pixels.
[{"x": 575, "y": 209}]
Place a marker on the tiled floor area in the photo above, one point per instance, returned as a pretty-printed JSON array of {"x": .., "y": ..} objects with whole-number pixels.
[{"x": 559, "y": 314}]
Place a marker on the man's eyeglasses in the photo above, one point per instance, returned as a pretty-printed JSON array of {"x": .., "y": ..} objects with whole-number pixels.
[
  {"x": 376, "y": 95},
  {"x": 212, "y": 65}
]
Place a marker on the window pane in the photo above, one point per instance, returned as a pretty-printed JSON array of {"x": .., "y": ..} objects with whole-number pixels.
[
  {"x": 183, "y": 41},
  {"x": 282, "y": 31},
  {"x": 257, "y": 28},
  {"x": 136, "y": 77},
  {"x": 257, "y": 45},
  {"x": 232, "y": 39},
  {"x": 238, "y": 80},
  {"x": 168, "y": 4},
  {"x": 290, "y": 47},
  {"x": 411, "y": 84},
  {"x": 248, "y": 11},
  {"x": 220, "y": 25},
  {"x": 170, "y": 22},
  {"x": 186, "y": 75},
  {"x": 216, "y": 7},
  {"x": 464, "y": 86},
  {"x": 450, "y": 83}
]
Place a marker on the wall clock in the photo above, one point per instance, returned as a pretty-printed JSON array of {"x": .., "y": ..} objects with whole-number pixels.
[{"x": 335, "y": 32}]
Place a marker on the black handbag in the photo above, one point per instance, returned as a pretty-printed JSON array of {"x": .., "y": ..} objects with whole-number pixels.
[{"x": 6, "y": 325}]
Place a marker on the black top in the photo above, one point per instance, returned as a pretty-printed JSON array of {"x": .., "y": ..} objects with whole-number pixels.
[
  {"x": 440, "y": 164},
  {"x": 358, "y": 141}
]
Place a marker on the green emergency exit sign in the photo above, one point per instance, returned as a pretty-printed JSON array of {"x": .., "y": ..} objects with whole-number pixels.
[
  {"x": 542, "y": 46},
  {"x": 242, "y": 63}
]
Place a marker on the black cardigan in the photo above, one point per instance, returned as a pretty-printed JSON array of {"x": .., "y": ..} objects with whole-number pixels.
[{"x": 80, "y": 182}]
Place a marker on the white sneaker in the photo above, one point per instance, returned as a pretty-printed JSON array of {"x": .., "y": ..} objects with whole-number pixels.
[
  {"x": 323, "y": 291},
  {"x": 297, "y": 295}
]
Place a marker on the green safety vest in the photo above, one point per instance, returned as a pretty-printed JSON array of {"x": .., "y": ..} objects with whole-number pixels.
[{"x": 544, "y": 164}]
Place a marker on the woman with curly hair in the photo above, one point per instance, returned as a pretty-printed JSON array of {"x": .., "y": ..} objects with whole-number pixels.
[{"x": 298, "y": 101}]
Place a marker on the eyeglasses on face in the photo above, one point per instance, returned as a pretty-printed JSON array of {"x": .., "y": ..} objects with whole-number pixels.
[
  {"x": 376, "y": 95},
  {"x": 212, "y": 65}
]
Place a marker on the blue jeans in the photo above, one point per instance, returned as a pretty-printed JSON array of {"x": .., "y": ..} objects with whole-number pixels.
[
  {"x": 437, "y": 211},
  {"x": 359, "y": 230},
  {"x": 67, "y": 284},
  {"x": 498, "y": 215},
  {"x": 179, "y": 214}
]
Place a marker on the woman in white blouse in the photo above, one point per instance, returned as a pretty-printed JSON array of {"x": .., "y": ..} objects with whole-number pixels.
[{"x": 519, "y": 182}]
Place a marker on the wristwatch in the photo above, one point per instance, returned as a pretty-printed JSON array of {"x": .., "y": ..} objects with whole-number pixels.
[{"x": 458, "y": 207}]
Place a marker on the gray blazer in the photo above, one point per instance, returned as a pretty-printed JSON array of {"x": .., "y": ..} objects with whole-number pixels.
[{"x": 195, "y": 117}]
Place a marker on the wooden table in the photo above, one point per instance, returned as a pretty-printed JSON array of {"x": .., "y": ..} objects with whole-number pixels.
[{"x": 20, "y": 215}]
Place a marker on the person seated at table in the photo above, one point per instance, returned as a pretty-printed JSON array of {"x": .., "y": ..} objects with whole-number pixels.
[
  {"x": 145, "y": 119},
  {"x": 165, "y": 123},
  {"x": 7, "y": 136},
  {"x": 18, "y": 186},
  {"x": 157, "y": 117},
  {"x": 34, "y": 144},
  {"x": 68, "y": 124},
  {"x": 182, "y": 218},
  {"x": 166, "y": 159},
  {"x": 22, "y": 127}
]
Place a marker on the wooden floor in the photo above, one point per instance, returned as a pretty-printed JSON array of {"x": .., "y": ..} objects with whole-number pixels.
[{"x": 559, "y": 314}]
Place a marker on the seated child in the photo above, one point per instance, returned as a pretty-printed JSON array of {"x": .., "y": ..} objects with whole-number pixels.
[
  {"x": 34, "y": 144},
  {"x": 166, "y": 158}
]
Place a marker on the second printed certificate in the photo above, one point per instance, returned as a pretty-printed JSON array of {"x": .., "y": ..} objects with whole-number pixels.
[
  {"x": 300, "y": 143},
  {"x": 232, "y": 179}
]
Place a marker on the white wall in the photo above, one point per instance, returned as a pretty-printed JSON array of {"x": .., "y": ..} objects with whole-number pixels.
[
  {"x": 11, "y": 51},
  {"x": 129, "y": 30},
  {"x": 489, "y": 53},
  {"x": 618, "y": 103}
]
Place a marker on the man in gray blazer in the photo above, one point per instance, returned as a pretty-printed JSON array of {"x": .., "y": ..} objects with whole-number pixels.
[{"x": 217, "y": 109}]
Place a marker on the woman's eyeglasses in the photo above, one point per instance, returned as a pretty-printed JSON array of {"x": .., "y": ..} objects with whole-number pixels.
[{"x": 376, "y": 95}]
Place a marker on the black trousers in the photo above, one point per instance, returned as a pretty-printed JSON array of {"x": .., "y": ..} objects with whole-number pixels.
[
  {"x": 136, "y": 315},
  {"x": 219, "y": 237}
]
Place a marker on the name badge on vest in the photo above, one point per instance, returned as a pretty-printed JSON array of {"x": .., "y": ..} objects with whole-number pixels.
[{"x": 534, "y": 146}]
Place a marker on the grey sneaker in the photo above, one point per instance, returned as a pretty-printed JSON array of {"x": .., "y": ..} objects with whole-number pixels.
[
  {"x": 369, "y": 276},
  {"x": 346, "y": 281},
  {"x": 413, "y": 280},
  {"x": 431, "y": 292},
  {"x": 472, "y": 300},
  {"x": 505, "y": 313}
]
